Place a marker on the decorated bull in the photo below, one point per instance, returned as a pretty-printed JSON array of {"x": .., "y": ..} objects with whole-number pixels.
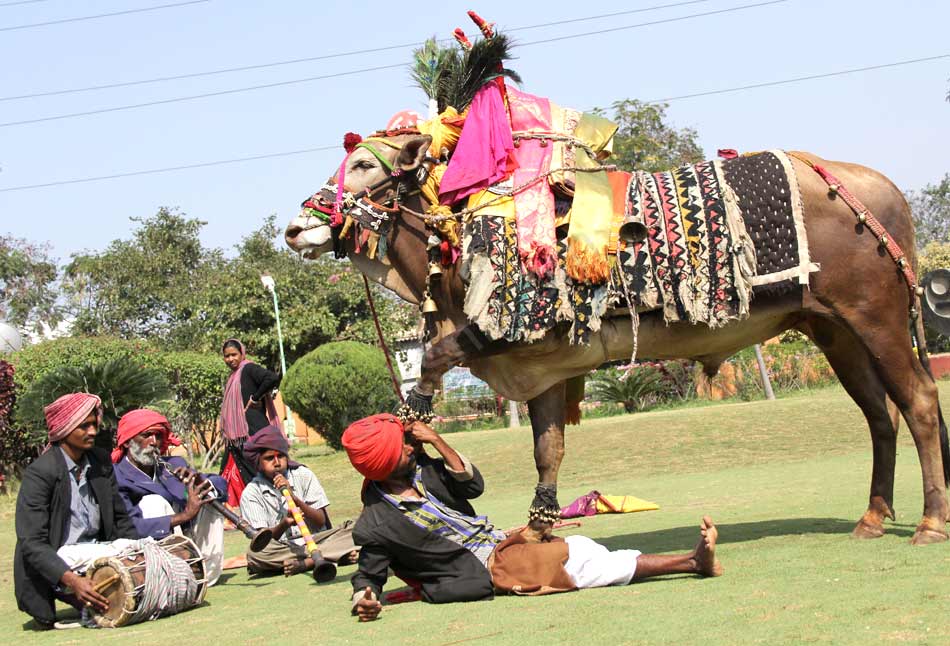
[{"x": 534, "y": 263}]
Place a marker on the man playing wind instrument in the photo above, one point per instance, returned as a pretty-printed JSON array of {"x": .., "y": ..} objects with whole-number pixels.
[
  {"x": 264, "y": 506},
  {"x": 417, "y": 520},
  {"x": 161, "y": 494}
]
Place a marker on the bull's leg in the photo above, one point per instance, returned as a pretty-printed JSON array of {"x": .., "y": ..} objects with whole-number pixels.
[
  {"x": 547, "y": 423},
  {"x": 852, "y": 364},
  {"x": 887, "y": 338},
  {"x": 453, "y": 350}
]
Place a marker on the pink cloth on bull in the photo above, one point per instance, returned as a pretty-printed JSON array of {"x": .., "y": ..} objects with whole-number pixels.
[
  {"x": 65, "y": 414},
  {"x": 534, "y": 205},
  {"x": 485, "y": 150}
]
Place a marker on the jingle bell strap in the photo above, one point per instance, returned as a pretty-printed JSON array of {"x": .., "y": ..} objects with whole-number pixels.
[{"x": 866, "y": 218}]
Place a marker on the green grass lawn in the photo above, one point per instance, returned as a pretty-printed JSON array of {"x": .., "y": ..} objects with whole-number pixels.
[{"x": 785, "y": 481}]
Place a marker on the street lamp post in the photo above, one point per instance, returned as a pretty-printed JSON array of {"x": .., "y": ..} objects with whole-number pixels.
[{"x": 270, "y": 285}]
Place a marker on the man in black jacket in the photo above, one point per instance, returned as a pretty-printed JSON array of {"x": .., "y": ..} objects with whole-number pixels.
[
  {"x": 68, "y": 512},
  {"x": 417, "y": 520},
  {"x": 447, "y": 568}
]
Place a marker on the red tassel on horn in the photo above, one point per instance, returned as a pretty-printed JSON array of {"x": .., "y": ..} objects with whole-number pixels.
[
  {"x": 486, "y": 27},
  {"x": 462, "y": 39}
]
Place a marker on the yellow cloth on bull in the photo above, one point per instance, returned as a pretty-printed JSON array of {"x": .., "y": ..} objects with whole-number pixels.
[
  {"x": 444, "y": 130},
  {"x": 623, "y": 504},
  {"x": 501, "y": 205},
  {"x": 592, "y": 211}
]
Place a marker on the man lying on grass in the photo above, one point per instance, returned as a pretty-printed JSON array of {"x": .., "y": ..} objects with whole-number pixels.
[{"x": 417, "y": 520}]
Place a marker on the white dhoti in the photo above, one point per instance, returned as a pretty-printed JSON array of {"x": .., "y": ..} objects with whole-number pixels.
[
  {"x": 79, "y": 556},
  {"x": 206, "y": 530},
  {"x": 591, "y": 565}
]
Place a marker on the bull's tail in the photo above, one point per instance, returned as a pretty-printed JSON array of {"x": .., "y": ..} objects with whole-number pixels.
[{"x": 921, "y": 341}]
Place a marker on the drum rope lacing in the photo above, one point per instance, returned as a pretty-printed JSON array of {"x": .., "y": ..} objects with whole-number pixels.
[{"x": 169, "y": 587}]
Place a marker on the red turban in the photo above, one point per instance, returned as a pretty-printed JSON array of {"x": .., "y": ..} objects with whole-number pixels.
[
  {"x": 374, "y": 445},
  {"x": 65, "y": 414},
  {"x": 138, "y": 421}
]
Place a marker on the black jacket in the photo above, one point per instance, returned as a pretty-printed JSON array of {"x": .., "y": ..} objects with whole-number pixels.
[
  {"x": 448, "y": 572},
  {"x": 257, "y": 382},
  {"x": 42, "y": 525}
]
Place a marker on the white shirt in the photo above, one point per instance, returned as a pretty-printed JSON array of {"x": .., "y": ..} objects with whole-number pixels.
[{"x": 262, "y": 505}]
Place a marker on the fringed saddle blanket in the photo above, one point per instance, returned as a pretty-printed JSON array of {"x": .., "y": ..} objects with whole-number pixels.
[{"x": 718, "y": 232}]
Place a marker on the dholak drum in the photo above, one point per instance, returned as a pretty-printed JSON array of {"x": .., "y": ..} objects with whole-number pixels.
[{"x": 123, "y": 581}]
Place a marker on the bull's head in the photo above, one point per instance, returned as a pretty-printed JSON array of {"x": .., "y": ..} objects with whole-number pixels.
[{"x": 370, "y": 175}]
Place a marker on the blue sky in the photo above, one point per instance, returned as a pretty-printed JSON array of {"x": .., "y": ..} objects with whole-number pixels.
[{"x": 895, "y": 120}]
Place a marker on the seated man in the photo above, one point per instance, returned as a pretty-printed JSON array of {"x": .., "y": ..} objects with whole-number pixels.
[
  {"x": 68, "y": 513},
  {"x": 417, "y": 520},
  {"x": 154, "y": 490},
  {"x": 263, "y": 506}
]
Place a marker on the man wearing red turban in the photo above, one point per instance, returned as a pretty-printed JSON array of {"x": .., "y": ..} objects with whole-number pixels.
[
  {"x": 418, "y": 522},
  {"x": 68, "y": 513},
  {"x": 161, "y": 494}
]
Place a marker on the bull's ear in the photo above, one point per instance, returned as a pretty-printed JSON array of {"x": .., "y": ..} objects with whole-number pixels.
[{"x": 413, "y": 152}]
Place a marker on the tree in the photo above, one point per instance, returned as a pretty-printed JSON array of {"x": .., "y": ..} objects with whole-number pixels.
[
  {"x": 123, "y": 384},
  {"x": 635, "y": 390},
  {"x": 165, "y": 286},
  {"x": 644, "y": 141},
  {"x": 133, "y": 288},
  {"x": 27, "y": 284},
  {"x": 931, "y": 209},
  {"x": 320, "y": 302},
  {"x": 336, "y": 384}
]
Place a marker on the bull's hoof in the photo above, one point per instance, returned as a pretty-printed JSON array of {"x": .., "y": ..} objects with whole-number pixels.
[
  {"x": 926, "y": 535},
  {"x": 865, "y": 529}
]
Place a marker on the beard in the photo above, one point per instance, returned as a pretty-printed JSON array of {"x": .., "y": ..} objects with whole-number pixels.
[
  {"x": 146, "y": 456},
  {"x": 407, "y": 471}
]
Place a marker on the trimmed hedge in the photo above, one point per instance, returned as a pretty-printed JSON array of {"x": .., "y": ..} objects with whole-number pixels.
[
  {"x": 337, "y": 384},
  {"x": 196, "y": 378}
]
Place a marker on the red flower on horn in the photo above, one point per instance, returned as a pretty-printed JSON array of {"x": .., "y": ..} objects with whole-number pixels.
[{"x": 350, "y": 141}]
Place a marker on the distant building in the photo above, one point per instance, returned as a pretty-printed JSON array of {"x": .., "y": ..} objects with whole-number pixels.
[{"x": 408, "y": 353}]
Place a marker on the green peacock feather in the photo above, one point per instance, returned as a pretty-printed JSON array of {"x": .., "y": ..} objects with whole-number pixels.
[{"x": 453, "y": 76}]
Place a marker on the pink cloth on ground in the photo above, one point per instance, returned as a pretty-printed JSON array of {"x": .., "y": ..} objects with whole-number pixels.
[
  {"x": 534, "y": 205},
  {"x": 484, "y": 154}
]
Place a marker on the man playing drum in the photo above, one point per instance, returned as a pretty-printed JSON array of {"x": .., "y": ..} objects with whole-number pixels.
[
  {"x": 68, "y": 513},
  {"x": 155, "y": 492}
]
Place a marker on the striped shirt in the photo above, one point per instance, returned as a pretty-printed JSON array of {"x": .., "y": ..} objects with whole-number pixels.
[
  {"x": 263, "y": 506},
  {"x": 474, "y": 533},
  {"x": 84, "y": 517}
]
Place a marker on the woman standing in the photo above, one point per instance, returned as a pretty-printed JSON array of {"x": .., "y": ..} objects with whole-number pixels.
[{"x": 247, "y": 407}]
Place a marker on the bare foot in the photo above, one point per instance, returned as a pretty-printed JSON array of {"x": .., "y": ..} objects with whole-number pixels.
[
  {"x": 297, "y": 565},
  {"x": 349, "y": 559},
  {"x": 705, "y": 554}
]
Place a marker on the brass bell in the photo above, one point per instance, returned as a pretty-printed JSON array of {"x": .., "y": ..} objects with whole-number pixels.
[
  {"x": 429, "y": 306},
  {"x": 435, "y": 270},
  {"x": 632, "y": 231}
]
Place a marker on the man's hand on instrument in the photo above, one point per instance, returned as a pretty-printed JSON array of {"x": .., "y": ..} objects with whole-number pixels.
[
  {"x": 423, "y": 433},
  {"x": 197, "y": 498},
  {"x": 281, "y": 482},
  {"x": 368, "y": 608},
  {"x": 85, "y": 591}
]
